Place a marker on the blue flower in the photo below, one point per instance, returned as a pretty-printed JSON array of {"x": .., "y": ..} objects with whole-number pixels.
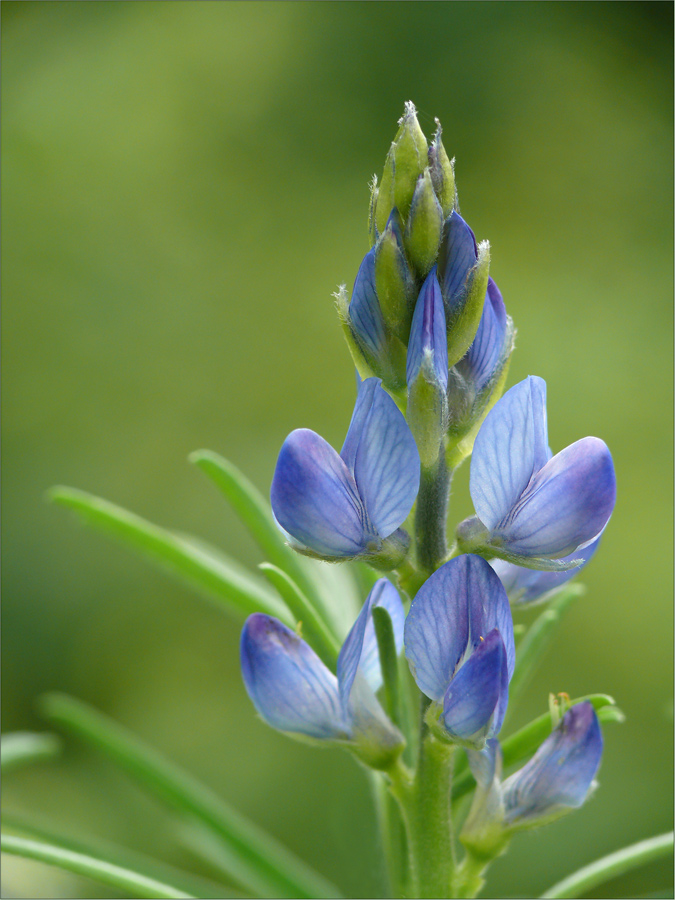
[
  {"x": 475, "y": 379},
  {"x": 459, "y": 644},
  {"x": 294, "y": 691},
  {"x": 561, "y": 772},
  {"x": 341, "y": 506},
  {"x": 428, "y": 345},
  {"x": 533, "y": 507},
  {"x": 557, "y": 779},
  {"x": 528, "y": 586}
]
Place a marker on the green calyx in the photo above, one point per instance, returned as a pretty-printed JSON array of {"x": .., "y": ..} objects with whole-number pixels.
[
  {"x": 424, "y": 226},
  {"x": 406, "y": 160}
]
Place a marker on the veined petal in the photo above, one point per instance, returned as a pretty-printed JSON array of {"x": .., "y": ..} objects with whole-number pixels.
[
  {"x": 510, "y": 448},
  {"x": 531, "y": 586},
  {"x": 471, "y": 699},
  {"x": 427, "y": 333},
  {"x": 457, "y": 256},
  {"x": 446, "y": 620},
  {"x": 315, "y": 498},
  {"x": 359, "y": 651},
  {"x": 567, "y": 504},
  {"x": 561, "y": 772},
  {"x": 381, "y": 452},
  {"x": 497, "y": 614},
  {"x": 364, "y": 308},
  {"x": 289, "y": 685}
]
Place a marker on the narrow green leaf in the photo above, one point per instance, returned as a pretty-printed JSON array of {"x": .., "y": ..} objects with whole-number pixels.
[
  {"x": 522, "y": 744},
  {"x": 208, "y": 571},
  {"x": 258, "y": 862},
  {"x": 320, "y": 582},
  {"x": 122, "y": 857},
  {"x": 537, "y": 639},
  {"x": 600, "y": 871},
  {"x": 256, "y": 514},
  {"x": 99, "y": 869},
  {"x": 313, "y": 626},
  {"x": 386, "y": 646},
  {"x": 19, "y": 748}
]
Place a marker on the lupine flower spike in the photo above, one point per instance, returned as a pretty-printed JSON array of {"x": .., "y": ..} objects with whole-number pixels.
[
  {"x": 534, "y": 508},
  {"x": 352, "y": 504},
  {"x": 295, "y": 692},
  {"x": 459, "y": 644}
]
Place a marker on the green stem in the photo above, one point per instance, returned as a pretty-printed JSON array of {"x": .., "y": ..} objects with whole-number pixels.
[
  {"x": 130, "y": 882},
  {"x": 393, "y": 836},
  {"x": 469, "y": 878},
  {"x": 578, "y": 884},
  {"x": 431, "y": 516},
  {"x": 425, "y": 803}
]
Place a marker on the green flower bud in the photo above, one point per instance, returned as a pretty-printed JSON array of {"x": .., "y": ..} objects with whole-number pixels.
[
  {"x": 394, "y": 282},
  {"x": 406, "y": 160},
  {"x": 424, "y": 225},
  {"x": 442, "y": 173},
  {"x": 374, "y": 191}
]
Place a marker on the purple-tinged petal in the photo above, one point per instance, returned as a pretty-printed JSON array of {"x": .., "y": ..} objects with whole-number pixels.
[
  {"x": 470, "y": 702},
  {"x": 315, "y": 498},
  {"x": 289, "y": 685},
  {"x": 446, "y": 620},
  {"x": 497, "y": 614},
  {"x": 510, "y": 448},
  {"x": 566, "y": 506},
  {"x": 359, "y": 651},
  {"x": 530, "y": 586},
  {"x": 364, "y": 308},
  {"x": 427, "y": 333},
  {"x": 381, "y": 452},
  {"x": 561, "y": 772},
  {"x": 457, "y": 256},
  {"x": 479, "y": 363}
]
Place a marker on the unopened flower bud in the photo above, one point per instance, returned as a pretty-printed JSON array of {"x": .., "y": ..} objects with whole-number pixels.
[
  {"x": 394, "y": 282},
  {"x": 442, "y": 173},
  {"x": 463, "y": 268},
  {"x": 424, "y": 225},
  {"x": 406, "y": 160}
]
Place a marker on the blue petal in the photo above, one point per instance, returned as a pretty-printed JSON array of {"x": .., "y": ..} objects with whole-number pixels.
[
  {"x": 470, "y": 702},
  {"x": 486, "y": 764},
  {"x": 359, "y": 650},
  {"x": 364, "y": 308},
  {"x": 529, "y": 586},
  {"x": 447, "y": 618},
  {"x": 289, "y": 685},
  {"x": 485, "y": 353},
  {"x": 510, "y": 448},
  {"x": 381, "y": 452},
  {"x": 428, "y": 334},
  {"x": 497, "y": 614},
  {"x": 567, "y": 504},
  {"x": 559, "y": 775},
  {"x": 315, "y": 499},
  {"x": 457, "y": 257}
]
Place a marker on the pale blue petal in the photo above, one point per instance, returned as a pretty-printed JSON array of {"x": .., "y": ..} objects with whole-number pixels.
[
  {"x": 446, "y": 620},
  {"x": 529, "y": 585},
  {"x": 497, "y": 614},
  {"x": 381, "y": 452},
  {"x": 567, "y": 504},
  {"x": 364, "y": 308},
  {"x": 472, "y": 697},
  {"x": 315, "y": 499},
  {"x": 289, "y": 685},
  {"x": 427, "y": 333},
  {"x": 510, "y": 448},
  {"x": 561, "y": 772}
]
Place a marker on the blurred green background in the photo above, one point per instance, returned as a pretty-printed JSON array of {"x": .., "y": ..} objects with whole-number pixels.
[{"x": 184, "y": 186}]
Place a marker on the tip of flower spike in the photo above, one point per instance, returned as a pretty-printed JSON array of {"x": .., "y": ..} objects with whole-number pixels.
[{"x": 409, "y": 110}]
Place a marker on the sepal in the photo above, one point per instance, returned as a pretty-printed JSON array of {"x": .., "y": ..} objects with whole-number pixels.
[
  {"x": 442, "y": 173},
  {"x": 406, "y": 160},
  {"x": 424, "y": 225},
  {"x": 394, "y": 282}
]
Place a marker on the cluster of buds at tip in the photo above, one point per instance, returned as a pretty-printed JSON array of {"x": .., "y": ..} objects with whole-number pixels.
[{"x": 423, "y": 315}]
